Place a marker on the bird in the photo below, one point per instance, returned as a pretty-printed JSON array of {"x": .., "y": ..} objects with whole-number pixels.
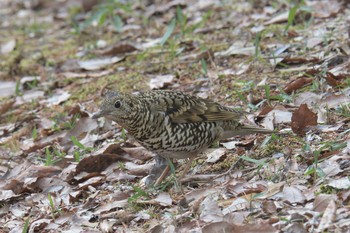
[{"x": 173, "y": 124}]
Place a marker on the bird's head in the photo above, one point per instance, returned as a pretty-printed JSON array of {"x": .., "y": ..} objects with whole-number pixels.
[{"x": 118, "y": 107}]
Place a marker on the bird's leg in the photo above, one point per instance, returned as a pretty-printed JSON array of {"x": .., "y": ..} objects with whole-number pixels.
[
  {"x": 157, "y": 170},
  {"x": 188, "y": 165},
  {"x": 163, "y": 175}
]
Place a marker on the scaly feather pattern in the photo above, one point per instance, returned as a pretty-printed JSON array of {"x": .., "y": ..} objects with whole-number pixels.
[{"x": 174, "y": 124}]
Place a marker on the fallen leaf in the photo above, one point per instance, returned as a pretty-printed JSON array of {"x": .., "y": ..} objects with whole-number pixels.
[
  {"x": 341, "y": 183},
  {"x": 160, "y": 81},
  {"x": 269, "y": 207},
  {"x": 7, "y": 88},
  {"x": 105, "y": 207},
  {"x": 138, "y": 169},
  {"x": 302, "y": 118},
  {"x": 331, "y": 80},
  {"x": 57, "y": 98},
  {"x": 328, "y": 217},
  {"x": 223, "y": 227},
  {"x": 218, "y": 227},
  {"x": 335, "y": 100},
  {"x": 298, "y": 60},
  {"x": 292, "y": 194},
  {"x": 308, "y": 98},
  {"x": 330, "y": 168},
  {"x": 23, "y": 178},
  {"x": 237, "y": 204},
  {"x": 120, "y": 48},
  {"x": 322, "y": 201},
  {"x": 237, "y": 218},
  {"x": 93, "y": 181},
  {"x": 325, "y": 9},
  {"x": 95, "y": 64},
  {"x": 215, "y": 155},
  {"x": 210, "y": 211},
  {"x": 29, "y": 96},
  {"x": 5, "y": 106},
  {"x": 283, "y": 17},
  {"x": 97, "y": 163},
  {"x": 8, "y": 46},
  {"x": 139, "y": 152},
  {"x": 229, "y": 145},
  {"x": 163, "y": 7},
  {"x": 297, "y": 84},
  {"x": 163, "y": 199},
  {"x": 277, "y": 53},
  {"x": 314, "y": 41},
  {"x": 238, "y": 48},
  {"x": 239, "y": 187},
  {"x": 295, "y": 227}
]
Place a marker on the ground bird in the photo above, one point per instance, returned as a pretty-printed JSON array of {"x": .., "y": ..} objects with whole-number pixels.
[{"x": 173, "y": 124}]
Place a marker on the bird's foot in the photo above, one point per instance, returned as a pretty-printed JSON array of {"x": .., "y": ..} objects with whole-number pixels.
[{"x": 157, "y": 171}]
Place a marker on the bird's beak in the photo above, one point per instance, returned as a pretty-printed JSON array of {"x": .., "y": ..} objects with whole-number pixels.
[{"x": 98, "y": 114}]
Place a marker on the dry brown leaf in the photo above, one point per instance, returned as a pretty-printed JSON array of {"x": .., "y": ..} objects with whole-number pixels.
[
  {"x": 98, "y": 163},
  {"x": 322, "y": 200},
  {"x": 302, "y": 118},
  {"x": 332, "y": 80},
  {"x": 5, "y": 106},
  {"x": 25, "y": 180},
  {"x": 298, "y": 60},
  {"x": 269, "y": 207},
  {"x": 116, "y": 49},
  {"x": 297, "y": 84}
]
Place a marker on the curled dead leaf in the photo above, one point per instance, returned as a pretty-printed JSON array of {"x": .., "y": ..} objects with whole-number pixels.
[
  {"x": 119, "y": 48},
  {"x": 297, "y": 84},
  {"x": 332, "y": 80},
  {"x": 302, "y": 118}
]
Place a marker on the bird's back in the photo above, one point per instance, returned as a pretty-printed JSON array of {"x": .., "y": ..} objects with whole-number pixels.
[{"x": 185, "y": 123}]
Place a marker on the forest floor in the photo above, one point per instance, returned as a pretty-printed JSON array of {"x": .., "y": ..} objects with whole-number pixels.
[{"x": 286, "y": 65}]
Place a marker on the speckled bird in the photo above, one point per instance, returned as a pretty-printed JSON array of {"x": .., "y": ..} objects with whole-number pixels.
[{"x": 173, "y": 124}]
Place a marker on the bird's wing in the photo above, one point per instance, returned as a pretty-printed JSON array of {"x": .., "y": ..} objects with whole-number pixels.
[{"x": 183, "y": 108}]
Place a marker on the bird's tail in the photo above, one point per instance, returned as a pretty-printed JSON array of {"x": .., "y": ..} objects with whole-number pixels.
[
  {"x": 254, "y": 129},
  {"x": 247, "y": 129}
]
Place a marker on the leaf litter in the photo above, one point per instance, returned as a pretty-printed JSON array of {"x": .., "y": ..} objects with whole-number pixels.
[{"x": 285, "y": 65}]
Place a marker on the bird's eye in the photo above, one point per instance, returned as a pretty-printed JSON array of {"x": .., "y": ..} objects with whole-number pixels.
[{"x": 117, "y": 104}]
